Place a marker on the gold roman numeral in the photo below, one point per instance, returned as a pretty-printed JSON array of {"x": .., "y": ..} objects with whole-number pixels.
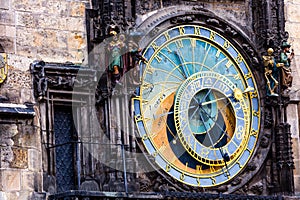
[
  {"x": 212, "y": 35},
  {"x": 168, "y": 168},
  {"x": 228, "y": 64},
  {"x": 167, "y": 36},
  {"x": 181, "y": 30},
  {"x": 226, "y": 44},
  {"x": 154, "y": 45},
  {"x": 218, "y": 53},
  {"x": 197, "y": 30},
  {"x": 159, "y": 59},
  {"x": 239, "y": 58},
  {"x": 179, "y": 43},
  {"x": 193, "y": 42}
]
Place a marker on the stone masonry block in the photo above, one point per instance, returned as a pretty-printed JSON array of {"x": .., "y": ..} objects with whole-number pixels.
[
  {"x": 64, "y": 8},
  {"x": 27, "y": 182},
  {"x": 27, "y": 19},
  {"x": 297, "y": 184},
  {"x": 75, "y": 41},
  {"x": 54, "y": 7},
  {"x": 296, "y": 148},
  {"x": 29, "y": 6},
  {"x": 292, "y": 12},
  {"x": 10, "y": 31},
  {"x": 7, "y": 43},
  {"x": 76, "y": 24},
  {"x": 50, "y": 39},
  {"x": 4, "y": 4},
  {"x": 26, "y": 95},
  {"x": 297, "y": 169},
  {"x": 34, "y": 163},
  {"x": 2, "y": 30},
  {"x": 24, "y": 36},
  {"x": 7, "y": 17},
  {"x": 51, "y": 21},
  {"x": 7, "y": 156},
  {"x": 77, "y": 9},
  {"x": 27, "y": 137},
  {"x": 58, "y": 55},
  {"x": 293, "y": 30},
  {"x": 10, "y": 180},
  {"x": 19, "y": 195}
]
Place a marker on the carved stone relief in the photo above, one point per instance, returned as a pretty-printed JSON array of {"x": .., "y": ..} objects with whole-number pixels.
[
  {"x": 7, "y": 132},
  {"x": 20, "y": 158}
]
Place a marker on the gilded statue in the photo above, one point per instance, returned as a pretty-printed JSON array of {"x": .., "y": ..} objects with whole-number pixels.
[
  {"x": 116, "y": 63},
  {"x": 285, "y": 58}
]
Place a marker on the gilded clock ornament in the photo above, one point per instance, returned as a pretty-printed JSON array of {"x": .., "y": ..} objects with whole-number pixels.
[
  {"x": 3, "y": 67},
  {"x": 197, "y": 109}
]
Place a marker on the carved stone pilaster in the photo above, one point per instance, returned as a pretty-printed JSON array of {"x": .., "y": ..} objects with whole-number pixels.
[
  {"x": 107, "y": 13},
  {"x": 284, "y": 158},
  {"x": 269, "y": 26}
]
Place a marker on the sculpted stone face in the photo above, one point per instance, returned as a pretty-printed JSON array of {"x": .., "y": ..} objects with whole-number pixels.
[
  {"x": 13, "y": 130},
  {"x": 8, "y": 130}
]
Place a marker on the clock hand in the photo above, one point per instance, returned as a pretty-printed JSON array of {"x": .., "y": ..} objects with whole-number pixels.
[
  {"x": 214, "y": 100},
  {"x": 183, "y": 69},
  {"x": 167, "y": 113},
  {"x": 206, "y": 130},
  {"x": 237, "y": 94},
  {"x": 225, "y": 156},
  {"x": 195, "y": 111},
  {"x": 217, "y": 124},
  {"x": 203, "y": 99}
]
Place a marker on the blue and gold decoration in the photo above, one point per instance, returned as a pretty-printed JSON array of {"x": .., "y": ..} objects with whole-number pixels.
[{"x": 197, "y": 109}]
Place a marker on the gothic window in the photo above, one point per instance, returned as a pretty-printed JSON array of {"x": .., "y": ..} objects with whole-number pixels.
[{"x": 65, "y": 149}]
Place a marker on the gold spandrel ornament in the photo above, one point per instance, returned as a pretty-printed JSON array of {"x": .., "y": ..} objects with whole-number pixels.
[{"x": 3, "y": 67}]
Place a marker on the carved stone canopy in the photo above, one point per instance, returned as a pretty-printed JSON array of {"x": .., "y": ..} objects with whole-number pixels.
[{"x": 60, "y": 77}]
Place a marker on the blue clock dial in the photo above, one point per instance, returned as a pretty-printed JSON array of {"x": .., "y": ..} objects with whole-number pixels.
[{"x": 197, "y": 109}]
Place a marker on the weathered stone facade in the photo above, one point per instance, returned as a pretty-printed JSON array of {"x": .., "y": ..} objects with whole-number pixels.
[
  {"x": 35, "y": 30},
  {"x": 53, "y": 31},
  {"x": 292, "y": 26},
  {"x": 57, "y": 31}
]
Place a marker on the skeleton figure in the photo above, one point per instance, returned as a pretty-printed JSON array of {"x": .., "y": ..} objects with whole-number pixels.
[{"x": 271, "y": 72}]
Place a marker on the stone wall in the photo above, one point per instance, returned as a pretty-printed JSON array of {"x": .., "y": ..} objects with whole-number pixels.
[
  {"x": 54, "y": 31},
  {"x": 48, "y": 30},
  {"x": 20, "y": 172},
  {"x": 292, "y": 16}
]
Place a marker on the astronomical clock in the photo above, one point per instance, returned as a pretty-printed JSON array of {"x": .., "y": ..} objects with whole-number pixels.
[
  {"x": 194, "y": 78},
  {"x": 197, "y": 109},
  {"x": 198, "y": 106},
  {"x": 172, "y": 104}
]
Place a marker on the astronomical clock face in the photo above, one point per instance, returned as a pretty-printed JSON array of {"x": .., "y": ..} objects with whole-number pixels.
[{"x": 197, "y": 109}]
